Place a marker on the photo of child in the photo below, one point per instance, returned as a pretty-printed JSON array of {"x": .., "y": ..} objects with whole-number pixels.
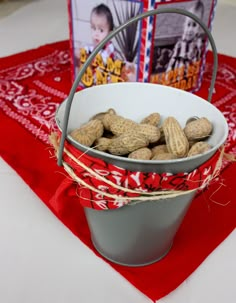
[
  {"x": 167, "y": 49},
  {"x": 101, "y": 22},
  {"x": 91, "y": 22},
  {"x": 179, "y": 44},
  {"x": 188, "y": 48}
]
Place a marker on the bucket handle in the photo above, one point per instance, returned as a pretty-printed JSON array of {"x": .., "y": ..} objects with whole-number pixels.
[{"x": 108, "y": 38}]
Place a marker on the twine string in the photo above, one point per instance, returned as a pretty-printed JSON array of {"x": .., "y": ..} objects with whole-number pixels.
[
  {"x": 140, "y": 195},
  {"x": 159, "y": 195},
  {"x": 99, "y": 177}
]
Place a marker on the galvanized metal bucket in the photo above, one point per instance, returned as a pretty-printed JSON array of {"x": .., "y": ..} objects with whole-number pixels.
[{"x": 139, "y": 233}]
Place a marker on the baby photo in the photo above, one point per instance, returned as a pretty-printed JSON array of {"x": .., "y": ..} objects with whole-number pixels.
[
  {"x": 91, "y": 23},
  {"x": 180, "y": 44}
]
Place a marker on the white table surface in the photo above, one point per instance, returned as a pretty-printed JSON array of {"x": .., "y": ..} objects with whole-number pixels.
[{"x": 41, "y": 261}]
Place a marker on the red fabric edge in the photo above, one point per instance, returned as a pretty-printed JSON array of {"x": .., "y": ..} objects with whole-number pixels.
[
  {"x": 28, "y": 55},
  {"x": 22, "y": 158},
  {"x": 44, "y": 187}
]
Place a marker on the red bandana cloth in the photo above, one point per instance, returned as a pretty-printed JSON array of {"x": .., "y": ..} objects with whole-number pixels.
[
  {"x": 36, "y": 81},
  {"x": 103, "y": 185},
  {"x": 31, "y": 91}
]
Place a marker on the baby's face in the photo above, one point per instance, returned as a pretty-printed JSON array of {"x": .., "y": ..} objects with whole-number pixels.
[
  {"x": 100, "y": 28},
  {"x": 191, "y": 29}
]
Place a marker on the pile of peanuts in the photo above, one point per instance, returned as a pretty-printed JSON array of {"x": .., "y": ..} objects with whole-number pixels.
[{"x": 148, "y": 140}]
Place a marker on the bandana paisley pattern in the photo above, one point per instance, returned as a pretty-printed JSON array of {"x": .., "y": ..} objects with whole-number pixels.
[
  {"x": 124, "y": 179},
  {"x": 31, "y": 92}
]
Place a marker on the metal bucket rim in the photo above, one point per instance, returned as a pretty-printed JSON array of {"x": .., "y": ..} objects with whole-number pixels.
[{"x": 99, "y": 154}]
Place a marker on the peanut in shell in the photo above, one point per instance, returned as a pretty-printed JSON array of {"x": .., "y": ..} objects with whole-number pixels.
[
  {"x": 159, "y": 149},
  {"x": 101, "y": 115},
  {"x": 102, "y": 143},
  {"x": 198, "y": 129},
  {"x": 151, "y": 132},
  {"x": 152, "y": 119},
  {"x": 199, "y": 148},
  {"x": 88, "y": 132},
  {"x": 117, "y": 124},
  {"x": 176, "y": 140},
  {"x": 127, "y": 143},
  {"x": 143, "y": 153},
  {"x": 163, "y": 156}
]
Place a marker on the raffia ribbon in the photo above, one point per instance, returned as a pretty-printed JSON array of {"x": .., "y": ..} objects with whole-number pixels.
[{"x": 139, "y": 195}]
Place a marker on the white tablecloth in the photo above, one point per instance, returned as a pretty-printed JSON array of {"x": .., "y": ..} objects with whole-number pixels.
[{"x": 41, "y": 261}]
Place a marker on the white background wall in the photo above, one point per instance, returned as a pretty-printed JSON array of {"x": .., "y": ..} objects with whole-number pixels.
[{"x": 233, "y": 2}]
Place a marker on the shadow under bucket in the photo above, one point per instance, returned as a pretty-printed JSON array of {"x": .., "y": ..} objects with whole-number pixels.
[{"x": 137, "y": 234}]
